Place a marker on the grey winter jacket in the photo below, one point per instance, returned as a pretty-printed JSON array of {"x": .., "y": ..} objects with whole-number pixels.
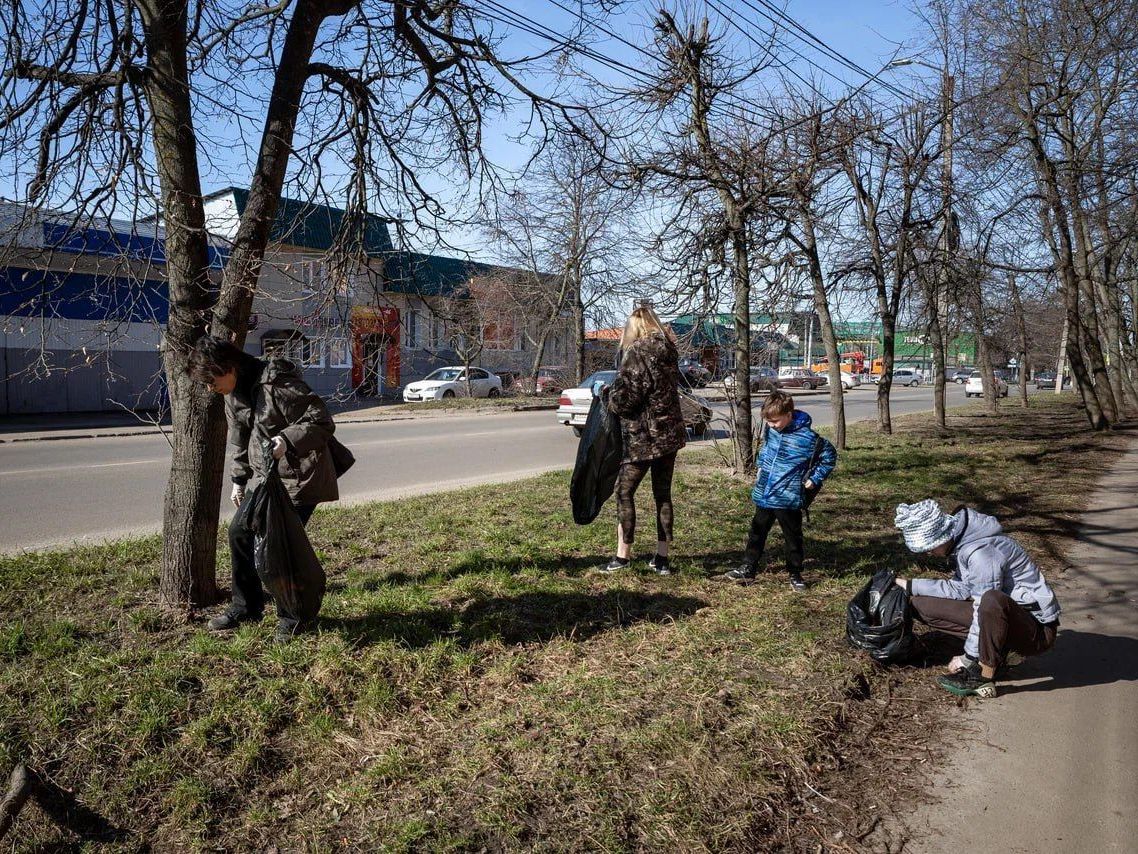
[
  {"x": 987, "y": 559},
  {"x": 271, "y": 401}
]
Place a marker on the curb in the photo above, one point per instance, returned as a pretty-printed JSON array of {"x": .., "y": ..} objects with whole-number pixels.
[{"x": 395, "y": 416}]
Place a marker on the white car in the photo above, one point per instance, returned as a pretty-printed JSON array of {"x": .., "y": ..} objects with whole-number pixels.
[
  {"x": 975, "y": 386},
  {"x": 445, "y": 383},
  {"x": 850, "y": 380},
  {"x": 574, "y": 404}
]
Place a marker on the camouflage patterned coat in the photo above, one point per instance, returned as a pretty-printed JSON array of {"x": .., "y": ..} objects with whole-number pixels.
[{"x": 645, "y": 395}]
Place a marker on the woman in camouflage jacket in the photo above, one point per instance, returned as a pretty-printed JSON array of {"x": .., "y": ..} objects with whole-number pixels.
[{"x": 645, "y": 395}]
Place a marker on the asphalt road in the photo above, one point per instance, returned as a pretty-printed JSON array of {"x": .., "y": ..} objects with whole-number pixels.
[{"x": 54, "y": 493}]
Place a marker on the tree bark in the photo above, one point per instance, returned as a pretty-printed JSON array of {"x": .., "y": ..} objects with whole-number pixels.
[
  {"x": 829, "y": 337},
  {"x": 192, "y": 502},
  {"x": 744, "y": 440}
]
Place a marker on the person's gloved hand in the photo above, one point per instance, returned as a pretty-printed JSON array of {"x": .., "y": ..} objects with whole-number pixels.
[
  {"x": 238, "y": 494},
  {"x": 598, "y": 387},
  {"x": 279, "y": 447},
  {"x": 960, "y": 662}
]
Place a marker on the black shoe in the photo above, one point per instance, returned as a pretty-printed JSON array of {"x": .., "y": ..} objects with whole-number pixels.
[
  {"x": 968, "y": 682},
  {"x": 230, "y": 620},
  {"x": 614, "y": 565},
  {"x": 659, "y": 565},
  {"x": 797, "y": 582},
  {"x": 744, "y": 574}
]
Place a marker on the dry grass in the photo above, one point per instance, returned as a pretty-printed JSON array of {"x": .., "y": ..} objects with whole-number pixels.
[{"x": 473, "y": 687}]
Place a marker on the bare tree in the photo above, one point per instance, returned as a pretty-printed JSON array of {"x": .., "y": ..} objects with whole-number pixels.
[
  {"x": 886, "y": 161},
  {"x": 716, "y": 175},
  {"x": 100, "y": 101},
  {"x": 812, "y": 209},
  {"x": 567, "y": 226}
]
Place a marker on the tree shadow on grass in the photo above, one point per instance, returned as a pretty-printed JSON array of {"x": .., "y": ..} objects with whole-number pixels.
[{"x": 525, "y": 618}]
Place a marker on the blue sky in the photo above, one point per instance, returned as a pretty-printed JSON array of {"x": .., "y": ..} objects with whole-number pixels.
[{"x": 867, "y": 32}]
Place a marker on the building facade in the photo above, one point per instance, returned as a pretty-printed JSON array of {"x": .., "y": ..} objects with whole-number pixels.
[{"x": 82, "y": 308}]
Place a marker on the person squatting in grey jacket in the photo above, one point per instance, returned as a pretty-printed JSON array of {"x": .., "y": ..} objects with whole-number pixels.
[{"x": 997, "y": 599}]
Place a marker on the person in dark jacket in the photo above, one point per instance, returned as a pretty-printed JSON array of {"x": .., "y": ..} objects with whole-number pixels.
[
  {"x": 997, "y": 600},
  {"x": 645, "y": 396},
  {"x": 266, "y": 401},
  {"x": 792, "y": 463}
]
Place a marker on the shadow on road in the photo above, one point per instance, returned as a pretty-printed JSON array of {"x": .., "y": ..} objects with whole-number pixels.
[{"x": 1079, "y": 660}]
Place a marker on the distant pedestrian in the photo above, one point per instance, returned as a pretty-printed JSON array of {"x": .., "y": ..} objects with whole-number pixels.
[
  {"x": 997, "y": 600},
  {"x": 792, "y": 464},
  {"x": 645, "y": 396},
  {"x": 265, "y": 401}
]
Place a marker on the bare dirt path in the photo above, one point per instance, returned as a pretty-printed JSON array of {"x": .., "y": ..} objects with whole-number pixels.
[{"x": 1052, "y": 763}]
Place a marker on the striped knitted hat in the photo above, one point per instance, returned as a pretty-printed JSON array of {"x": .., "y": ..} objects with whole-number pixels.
[{"x": 924, "y": 525}]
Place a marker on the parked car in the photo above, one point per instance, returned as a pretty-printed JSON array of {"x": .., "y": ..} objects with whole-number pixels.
[
  {"x": 975, "y": 386},
  {"x": 450, "y": 382},
  {"x": 551, "y": 379},
  {"x": 1046, "y": 379},
  {"x": 850, "y": 380},
  {"x": 959, "y": 376},
  {"x": 762, "y": 379},
  {"x": 799, "y": 378},
  {"x": 573, "y": 405},
  {"x": 906, "y": 376},
  {"x": 694, "y": 372},
  {"x": 511, "y": 381}
]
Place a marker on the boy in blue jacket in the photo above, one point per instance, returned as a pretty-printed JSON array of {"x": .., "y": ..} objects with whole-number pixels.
[{"x": 792, "y": 463}]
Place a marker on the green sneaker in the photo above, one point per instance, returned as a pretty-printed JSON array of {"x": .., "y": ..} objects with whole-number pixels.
[{"x": 968, "y": 683}]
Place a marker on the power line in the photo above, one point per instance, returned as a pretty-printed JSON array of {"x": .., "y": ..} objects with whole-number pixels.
[{"x": 806, "y": 36}]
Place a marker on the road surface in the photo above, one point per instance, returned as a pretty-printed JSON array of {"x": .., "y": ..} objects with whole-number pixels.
[{"x": 54, "y": 492}]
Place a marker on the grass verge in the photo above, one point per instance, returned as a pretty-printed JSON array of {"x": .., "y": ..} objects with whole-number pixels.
[{"x": 474, "y": 687}]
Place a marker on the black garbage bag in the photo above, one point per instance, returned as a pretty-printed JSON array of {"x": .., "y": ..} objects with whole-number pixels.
[
  {"x": 879, "y": 620},
  {"x": 284, "y": 557},
  {"x": 598, "y": 463}
]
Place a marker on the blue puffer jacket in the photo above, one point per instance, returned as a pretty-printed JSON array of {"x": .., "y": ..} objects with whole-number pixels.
[{"x": 783, "y": 461}]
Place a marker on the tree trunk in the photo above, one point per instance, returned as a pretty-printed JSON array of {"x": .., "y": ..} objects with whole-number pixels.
[
  {"x": 829, "y": 338},
  {"x": 991, "y": 396},
  {"x": 579, "y": 334},
  {"x": 936, "y": 333},
  {"x": 193, "y": 491},
  {"x": 885, "y": 386},
  {"x": 744, "y": 441}
]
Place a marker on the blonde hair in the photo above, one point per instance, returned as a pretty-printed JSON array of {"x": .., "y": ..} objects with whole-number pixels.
[{"x": 642, "y": 323}]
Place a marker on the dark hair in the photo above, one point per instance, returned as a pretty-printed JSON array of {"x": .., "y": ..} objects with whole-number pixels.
[
  {"x": 213, "y": 357},
  {"x": 777, "y": 403}
]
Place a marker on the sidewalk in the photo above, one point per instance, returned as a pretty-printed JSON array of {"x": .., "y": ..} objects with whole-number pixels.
[{"x": 1052, "y": 763}]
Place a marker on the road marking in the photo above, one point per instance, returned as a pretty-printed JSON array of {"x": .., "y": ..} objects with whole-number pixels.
[{"x": 43, "y": 469}]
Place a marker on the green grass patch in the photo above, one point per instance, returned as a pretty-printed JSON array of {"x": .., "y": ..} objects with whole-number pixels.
[{"x": 473, "y": 686}]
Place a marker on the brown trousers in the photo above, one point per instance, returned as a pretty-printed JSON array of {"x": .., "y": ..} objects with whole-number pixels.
[{"x": 1005, "y": 625}]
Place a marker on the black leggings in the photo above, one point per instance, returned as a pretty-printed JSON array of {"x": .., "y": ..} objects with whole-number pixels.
[{"x": 626, "y": 483}]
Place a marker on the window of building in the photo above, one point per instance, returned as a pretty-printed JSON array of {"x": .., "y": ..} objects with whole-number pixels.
[
  {"x": 312, "y": 352},
  {"x": 438, "y": 332},
  {"x": 312, "y": 276},
  {"x": 339, "y": 353},
  {"x": 412, "y": 323}
]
